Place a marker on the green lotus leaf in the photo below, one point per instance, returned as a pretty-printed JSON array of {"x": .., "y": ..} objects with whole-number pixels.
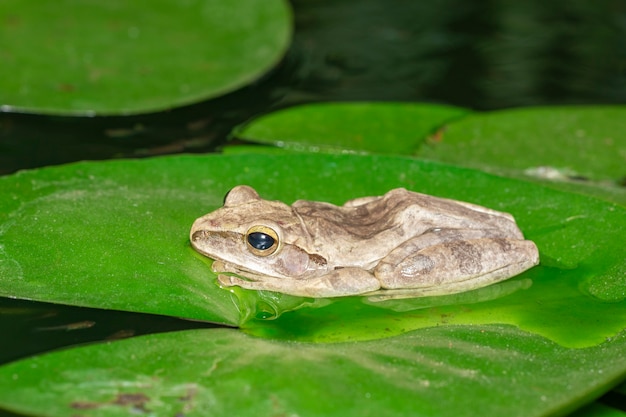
[
  {"x": 381, "y": 127},
  {"x": 117, "y": 57},
  {"x": 575, "y": 148},
  {"x": 577, "y": 141},
  {"x": 115, "y": 235},
  {"x": 441, "y": 371}
]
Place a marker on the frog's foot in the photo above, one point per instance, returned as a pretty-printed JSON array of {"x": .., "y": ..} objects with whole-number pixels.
[
  {"x": 218, "y": 266},
  {"x": 229, "y": 281}
]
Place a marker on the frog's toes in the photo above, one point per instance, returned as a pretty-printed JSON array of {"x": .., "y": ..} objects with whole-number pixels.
[
  {"x": 227, "y": 280},
  {"x": 218, "y": 266}
]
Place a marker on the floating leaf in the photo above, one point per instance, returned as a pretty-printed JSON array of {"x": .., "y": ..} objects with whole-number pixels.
[
  {"x": 117, "y": 57},
  {"x": 372, "y": 127},
  {"x": 578, "y": 149},
  {"x": 441, "y": 371},
  {"x": 582, "y": 149},
  {"x": 115, "y": 235},
  {"x": 578, "y": 141}
]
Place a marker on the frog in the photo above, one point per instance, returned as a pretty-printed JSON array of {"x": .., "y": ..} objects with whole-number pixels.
[{"x": 403, "y": 244}]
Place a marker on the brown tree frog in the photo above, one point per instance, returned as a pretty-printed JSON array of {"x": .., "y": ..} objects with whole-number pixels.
[{"x": 403, "y": 243}]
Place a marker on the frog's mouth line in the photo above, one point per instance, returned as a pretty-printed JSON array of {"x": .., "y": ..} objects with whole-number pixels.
[{"x": 221, "y": 267}]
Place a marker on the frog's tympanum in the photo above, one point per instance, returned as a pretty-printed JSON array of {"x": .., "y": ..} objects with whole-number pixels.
[{"x": 402, "y": 243}]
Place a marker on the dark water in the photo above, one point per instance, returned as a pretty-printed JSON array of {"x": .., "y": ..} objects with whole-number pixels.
[{"x": 484, "y": 55}]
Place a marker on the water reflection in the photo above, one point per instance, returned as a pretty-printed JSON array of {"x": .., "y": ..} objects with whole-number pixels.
[{"x": 480, "y": 54}]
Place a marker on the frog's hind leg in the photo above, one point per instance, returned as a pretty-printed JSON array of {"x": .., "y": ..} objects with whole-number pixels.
[{"x": 451, "y": 261}]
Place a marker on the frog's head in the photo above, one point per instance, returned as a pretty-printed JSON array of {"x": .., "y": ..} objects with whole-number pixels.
[{"x": 253, "y": 235}]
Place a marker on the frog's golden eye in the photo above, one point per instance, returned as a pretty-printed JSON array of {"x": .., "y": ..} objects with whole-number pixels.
[{"x": 262, "y": 240}]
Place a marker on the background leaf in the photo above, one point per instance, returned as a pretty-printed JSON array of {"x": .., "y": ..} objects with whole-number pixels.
[
  {"x": 117, "y": 57},
  {"x": 372, "y": 127},
  {"x": 574, "y": 148},
  {"x": 442, "y": 371},
  {"x": 583, "y": 141},
  {"x": 579, "y": 149}
]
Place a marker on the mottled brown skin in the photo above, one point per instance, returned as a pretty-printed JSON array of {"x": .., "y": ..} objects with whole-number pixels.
[{"x": 402, "y": 243}]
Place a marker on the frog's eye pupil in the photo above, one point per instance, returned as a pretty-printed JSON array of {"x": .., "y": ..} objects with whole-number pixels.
[{"x": 261, "y": 241}]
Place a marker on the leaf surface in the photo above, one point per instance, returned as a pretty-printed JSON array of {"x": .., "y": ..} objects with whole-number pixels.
[
  {"x": 442, "y": 371},
  {"x": 73, "y": 57}
]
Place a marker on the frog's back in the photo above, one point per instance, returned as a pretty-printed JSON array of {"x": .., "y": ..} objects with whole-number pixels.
[
  {"x": 363, "y": 217},
  {"x": 438, "y": 212},
  {"x": 404, "y": 213}
]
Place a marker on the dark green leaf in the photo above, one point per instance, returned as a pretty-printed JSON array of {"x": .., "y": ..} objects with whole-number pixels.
[
  {"x": 580, "y": 149},
  {"x": 372, "y": 127},
  {"x": 441, "y": 371},
  {"x": 119, "y": 57},
  {"x": 582, "y": 141}
]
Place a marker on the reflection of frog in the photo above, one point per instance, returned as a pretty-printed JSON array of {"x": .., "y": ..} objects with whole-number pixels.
[{"x": 402, "y": 243}]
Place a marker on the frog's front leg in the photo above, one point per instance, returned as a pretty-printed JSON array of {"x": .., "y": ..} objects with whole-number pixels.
[
  {"x": 337, "y": 283},
  {"x": 450, "y": 261}
]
